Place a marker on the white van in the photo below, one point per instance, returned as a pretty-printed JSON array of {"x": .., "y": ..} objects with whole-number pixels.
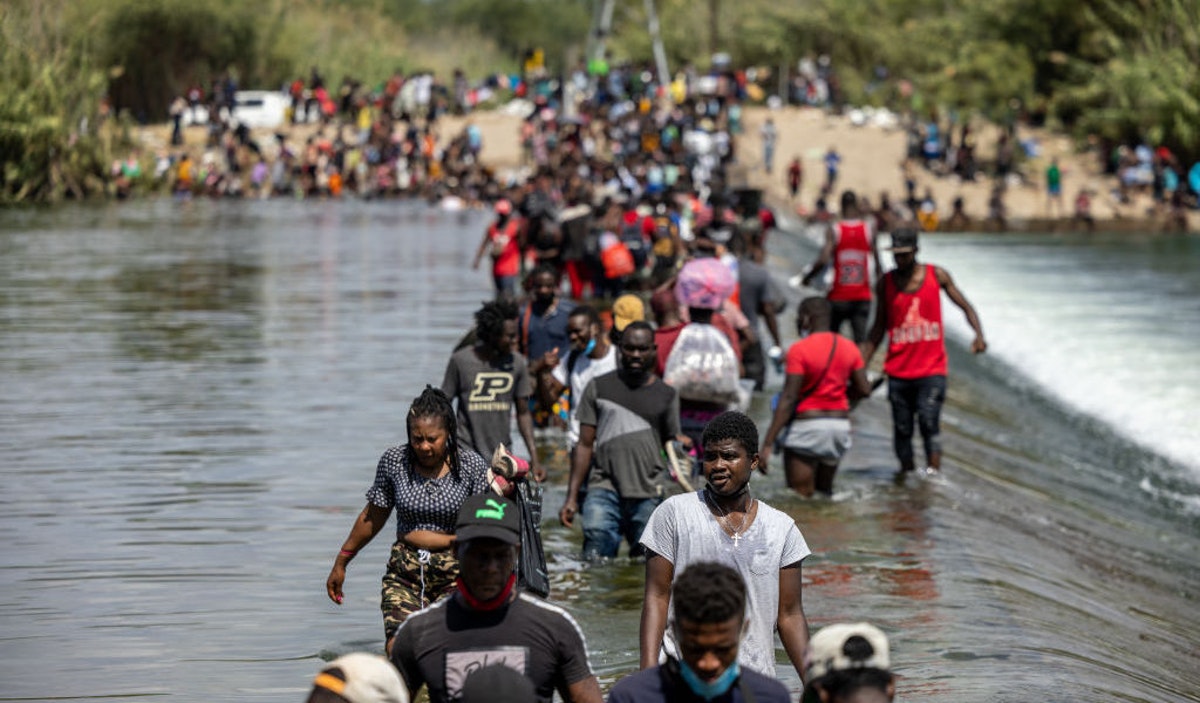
[{"x": 260, "y": 108}]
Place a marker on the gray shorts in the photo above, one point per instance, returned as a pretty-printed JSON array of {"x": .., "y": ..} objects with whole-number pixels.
[{"x": 823, "y": 438}]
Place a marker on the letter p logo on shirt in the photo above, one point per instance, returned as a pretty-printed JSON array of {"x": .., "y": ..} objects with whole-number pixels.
[{"x": 489, "y": 384}]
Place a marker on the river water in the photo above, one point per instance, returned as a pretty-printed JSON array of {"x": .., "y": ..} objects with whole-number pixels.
[{"x": 193, "y": 396}]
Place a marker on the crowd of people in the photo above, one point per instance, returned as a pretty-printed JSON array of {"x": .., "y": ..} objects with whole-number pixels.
[
  {"x": 370, "y": 142},
  {"x": 946, "y": 146},
  {"x": 631, "y": 303},
  {"x": 377, "y": 156},
  {"x": 386, "y": 141}
]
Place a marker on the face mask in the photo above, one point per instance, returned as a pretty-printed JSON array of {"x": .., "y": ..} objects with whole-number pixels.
[
  {"x": 709, "y": 690},
  {"x": 492, "y": 603},
  {"x": 590, "y": 346}
]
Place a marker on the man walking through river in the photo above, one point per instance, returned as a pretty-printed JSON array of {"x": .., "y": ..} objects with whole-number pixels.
[
  {"x": 489, "y": 382},
  {"x": 489, "y": 622},
  {"x": 625, "y": 416},
  {"x": 850, "y": 247},
  {"x": 910, "y": 313}
]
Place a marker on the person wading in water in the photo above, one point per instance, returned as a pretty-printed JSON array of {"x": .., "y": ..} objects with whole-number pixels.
[{"x": 724, "y": 523}]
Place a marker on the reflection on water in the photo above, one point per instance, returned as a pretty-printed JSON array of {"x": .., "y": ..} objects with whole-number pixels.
[
  {"x": 194, "y": 396},
  {"x": 180, "y": 311}
]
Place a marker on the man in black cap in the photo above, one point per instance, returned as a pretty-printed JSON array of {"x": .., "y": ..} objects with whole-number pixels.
[
  {"x": 488, "y": 622},
  {"x": 909, "y": 311}
]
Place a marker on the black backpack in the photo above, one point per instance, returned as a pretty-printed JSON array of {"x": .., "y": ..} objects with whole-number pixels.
[{"x": 631, "y": 237}]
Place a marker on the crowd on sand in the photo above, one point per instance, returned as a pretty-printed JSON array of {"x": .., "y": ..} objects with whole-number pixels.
[
  {"x": 949, "y": 150},
  {"x": 392, "y": 140},
  {"x": 633, "y": 313}
]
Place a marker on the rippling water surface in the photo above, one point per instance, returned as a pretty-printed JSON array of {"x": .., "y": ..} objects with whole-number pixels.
[{"x": 193, "y": 397}]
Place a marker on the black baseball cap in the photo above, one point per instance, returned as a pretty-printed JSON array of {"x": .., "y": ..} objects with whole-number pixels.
[
  {"x": 904, "y": 240},
  {"x": 488, "y": 515}
]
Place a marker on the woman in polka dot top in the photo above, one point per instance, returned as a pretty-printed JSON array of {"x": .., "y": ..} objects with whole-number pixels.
[{"x": 425, "y": 481}]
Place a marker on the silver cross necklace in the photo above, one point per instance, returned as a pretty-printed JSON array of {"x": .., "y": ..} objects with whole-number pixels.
[{"x": 734, "y": 533}]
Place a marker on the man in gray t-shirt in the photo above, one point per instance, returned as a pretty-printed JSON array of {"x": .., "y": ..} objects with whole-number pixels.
[
  {"x": 489, "y": 381},
  {"x": 625, "y": 416},
  {"x": 757, "y": 297}
]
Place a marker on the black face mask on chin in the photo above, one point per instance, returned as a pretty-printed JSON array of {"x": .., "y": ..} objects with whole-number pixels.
[{"x": 636, "y": 376}]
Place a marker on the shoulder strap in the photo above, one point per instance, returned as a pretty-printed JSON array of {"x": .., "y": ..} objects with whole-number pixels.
[
  {"x": 572, "y": 359},
  {"x": 525, "y": 327},
  {"x": 747, "y": 693}
]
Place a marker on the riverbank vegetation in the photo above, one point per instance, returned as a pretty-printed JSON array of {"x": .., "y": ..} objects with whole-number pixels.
[
  {"x": 1121, "y": 70},
  {"x": 76, "y": 72},
  {"x": 53, "y": 88}
]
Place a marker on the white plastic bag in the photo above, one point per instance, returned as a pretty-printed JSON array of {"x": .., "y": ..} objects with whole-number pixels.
[{"x": 702, "y": 366}]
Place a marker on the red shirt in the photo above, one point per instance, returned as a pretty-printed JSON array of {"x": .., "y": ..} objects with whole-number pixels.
[
  {"x": 851, "y": 262},
  {"x": 664, "y": 339},
  {"x": 767, "y": 218},
  {"x": 916, "y": 343},
  {"x": 630, "y": 218},
  {"x": 795, "y": 171},
  {"x": 506, "y": 254},
  {"x": 811, "y": 358}
]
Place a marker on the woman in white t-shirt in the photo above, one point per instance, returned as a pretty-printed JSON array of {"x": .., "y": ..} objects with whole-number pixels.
[{"x": 722, "y": 522}]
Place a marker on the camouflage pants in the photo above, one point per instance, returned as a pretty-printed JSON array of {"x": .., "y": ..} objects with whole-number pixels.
[{"x": 415, "y": 578}]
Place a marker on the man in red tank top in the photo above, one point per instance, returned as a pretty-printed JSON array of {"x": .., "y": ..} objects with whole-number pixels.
[
  {"x": 850, "y": 247},
  {"x": 910, "y": 313}
]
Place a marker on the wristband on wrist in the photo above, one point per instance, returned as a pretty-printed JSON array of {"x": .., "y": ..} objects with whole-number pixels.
[{"x": 347, "y": 553}]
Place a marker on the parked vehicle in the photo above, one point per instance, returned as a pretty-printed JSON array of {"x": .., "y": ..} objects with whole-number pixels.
[
  {"x": 256, "y": 109},
  {"x": 260, "y": 108}
]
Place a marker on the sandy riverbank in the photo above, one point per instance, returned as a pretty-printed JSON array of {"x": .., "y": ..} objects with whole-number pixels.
[
  {"x": 871, "y": 164},
  {"x": 871, "y": 158}
]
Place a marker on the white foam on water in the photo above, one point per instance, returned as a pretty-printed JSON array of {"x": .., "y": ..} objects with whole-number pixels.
[
  {"x": 1188, "y": 502},
  {"x": 1117, "y": 344}
]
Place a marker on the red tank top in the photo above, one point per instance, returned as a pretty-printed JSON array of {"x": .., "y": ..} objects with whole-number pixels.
[
  {"x": 506, "y": 252},
  {"x": 916, "y": 345},
  {"x": 851, "y": 270}
]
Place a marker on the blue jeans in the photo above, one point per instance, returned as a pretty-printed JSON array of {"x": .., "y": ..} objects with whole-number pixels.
[
  {"x": 919, "y": 398},
  {"x": 506, "y": 287},
  {"x": 607, "y": 517}
]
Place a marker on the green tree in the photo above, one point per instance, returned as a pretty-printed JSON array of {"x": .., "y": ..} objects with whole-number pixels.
[
  {"x": 1147, "y": 86},
  {"x": 50, "y": 144},
  {"x": 161, "y": 46}
]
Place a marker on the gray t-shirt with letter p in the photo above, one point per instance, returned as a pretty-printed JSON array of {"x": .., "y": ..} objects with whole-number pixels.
[{"x": 486, "y": 392}]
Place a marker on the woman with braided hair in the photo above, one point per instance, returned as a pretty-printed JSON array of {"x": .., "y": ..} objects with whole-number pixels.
[{"x": 426, "y": 481}]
